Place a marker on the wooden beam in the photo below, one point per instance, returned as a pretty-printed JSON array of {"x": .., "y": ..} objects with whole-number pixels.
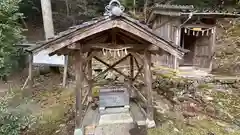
[
  {"x": 137, "y": 56},
  {"x": 116, "y": 63},
  {"x": 212, "y": 49},
  {"x": 65, "y": 71},
  {"x": 25, "y": 83},
  {"x": 110, "y": 67},
  {"x": 139, "y": 71},
  {"x": 130, "y": 35},
  {"x": 175, "y": 63},
  {"x": 96, "y": 39},
  {"x": 90, "y": 55},
  {"x": 128, "y": 39},
  {"x": 63, "y": 51},
  {"x": 79, "y": 87},
  {"x": 131, "y": 67},
  {"x": 140, "y": 94},
  {"x": 148, "y": 83},
  {"x": 89, "y": 67},
  {"x": 136, "y": 62},
  {"x": 30, "y": 69},
  {"x": 107, "y": 45},
  {"x": 130, "y": 81}
]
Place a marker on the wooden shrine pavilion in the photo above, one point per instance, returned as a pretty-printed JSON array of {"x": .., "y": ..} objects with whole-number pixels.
[
  {"x": 189, "y": 29},
  {"x": 114, "y": 33}
]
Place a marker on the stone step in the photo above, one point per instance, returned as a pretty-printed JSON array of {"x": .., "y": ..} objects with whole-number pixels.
[{"x": 119, "y": 118}]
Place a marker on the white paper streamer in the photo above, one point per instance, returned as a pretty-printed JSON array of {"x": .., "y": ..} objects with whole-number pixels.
[
  {"x": 110, "y": 52},
  {"x": 118, "y": 51},
  {"x": 197, "y": 33},
  {"x": 104, "y": 52},
  {"x": 115, "y": 52},
  {"x": 188, "y": 32}
]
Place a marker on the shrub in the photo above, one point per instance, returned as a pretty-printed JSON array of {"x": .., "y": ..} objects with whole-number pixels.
[
  {"x": 10, "y": 35},
  {"x": 14, "y": 119}
]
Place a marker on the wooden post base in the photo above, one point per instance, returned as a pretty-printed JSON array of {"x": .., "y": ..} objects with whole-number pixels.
[{"x": 150, "y": 123}]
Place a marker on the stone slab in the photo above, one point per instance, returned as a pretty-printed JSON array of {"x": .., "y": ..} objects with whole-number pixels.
[{"x": 119, "y": 118}]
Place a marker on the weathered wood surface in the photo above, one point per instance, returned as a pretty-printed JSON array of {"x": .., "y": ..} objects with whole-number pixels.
[
  {"x": 79, "y": 87},
  {"x": 148, "y": 84},
  {"x": 112, "y": 66},
  {"x": 125, "y": 26},
  {"x": 212, "y": 48},
  {"x": 30, "y": 70},
  {"x": 65, "y": 71},
  {"x": 202, "y": 52},
  {"x": 90, "y": 76}
]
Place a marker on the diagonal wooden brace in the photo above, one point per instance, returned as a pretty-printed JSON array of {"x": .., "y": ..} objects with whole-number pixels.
[
  {"x": 139, "y": 71},
  {"x": 111, "y": 67}
]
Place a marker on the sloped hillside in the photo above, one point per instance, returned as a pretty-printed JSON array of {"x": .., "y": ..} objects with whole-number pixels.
[{"x": 227, "y": 57}]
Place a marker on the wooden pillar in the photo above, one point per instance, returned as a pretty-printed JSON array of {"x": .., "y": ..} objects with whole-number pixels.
[
  {"x": 175, "y": 62},
  {"x": 30, "y": 69},
  {"x": 65, "y": 71},
  {"x": 212, "y": 48},
  {"x": 79, "y": 87},
  {"x": 131, "y": 79},
  {"x": 148, "y": 83},
  {"x": 131, "y": 68},
  {"x": 90, "y": 82}
]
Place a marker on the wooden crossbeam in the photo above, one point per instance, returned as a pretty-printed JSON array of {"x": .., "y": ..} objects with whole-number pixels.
[
  {"x": 107, "y": 45},
  {"x": 137, "y": 56},
  {"x": 136, "y": 63},
  {"x": 139, "y": 71},
  {"x": 110, "y": 67}
]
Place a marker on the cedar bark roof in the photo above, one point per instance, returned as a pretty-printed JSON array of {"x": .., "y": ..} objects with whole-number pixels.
[{"x": 82, "y": 31}]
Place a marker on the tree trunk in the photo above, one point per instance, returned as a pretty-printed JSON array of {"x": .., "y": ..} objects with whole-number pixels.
[{"x": 47, "y": 18}]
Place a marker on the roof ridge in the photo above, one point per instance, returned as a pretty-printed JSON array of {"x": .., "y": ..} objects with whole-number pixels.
[{"x": 174, "y": 6}]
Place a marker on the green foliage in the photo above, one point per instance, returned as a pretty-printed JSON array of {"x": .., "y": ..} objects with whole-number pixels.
[
  {"x": 10, "y": 34},
  {"x": 14, "y": 119}
]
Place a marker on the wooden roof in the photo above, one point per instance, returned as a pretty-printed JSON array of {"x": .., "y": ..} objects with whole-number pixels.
[
  {"x": 124, "y": 23},
  {"x": 213, "y": 14},
  {"x": 186, "y": 10}
]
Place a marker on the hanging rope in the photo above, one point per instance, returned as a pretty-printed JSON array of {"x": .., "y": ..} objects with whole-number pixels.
[
  {"x": 198, "y": 31},
  {"x": 115, "y": 52}
]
